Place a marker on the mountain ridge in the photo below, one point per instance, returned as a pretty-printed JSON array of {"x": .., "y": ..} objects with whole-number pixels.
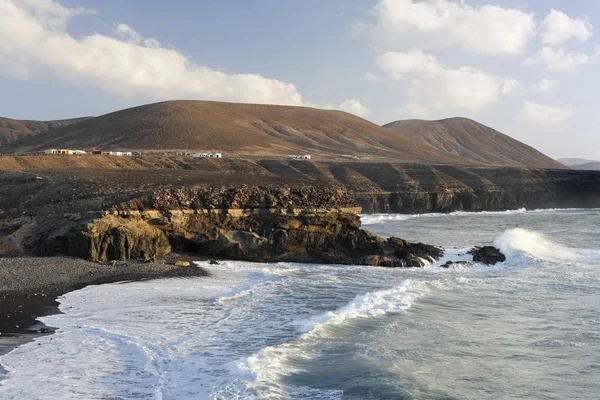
[
  {"x": 474, "y": 141},
  {"x": 270, "y": 130},
  {"x": 11, "y": 130}
]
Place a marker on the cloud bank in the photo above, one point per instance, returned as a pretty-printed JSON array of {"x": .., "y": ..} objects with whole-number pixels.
[
  {"x": 433, "y": 86},
  {"x": 541, "y": 114},
  {"x": 34, "y": 43},
  {"x": 401, "y": 25}
]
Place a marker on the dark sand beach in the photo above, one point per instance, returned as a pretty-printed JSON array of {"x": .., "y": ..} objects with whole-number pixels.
[{"x": 30, "y": 286}]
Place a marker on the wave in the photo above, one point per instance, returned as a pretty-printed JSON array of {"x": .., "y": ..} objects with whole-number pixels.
[
  {"x": 373, "y": 304},
  {"x": 264, "y": 371},
  {"x": 379, "y": 218},
  {"x": 518, "y": 242}
]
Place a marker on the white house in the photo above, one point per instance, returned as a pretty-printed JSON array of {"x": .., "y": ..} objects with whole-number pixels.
[
  {"x": 120, "y": 153},
  {"x": 299, "y": 157},
  {"x": 68, "y": 152},
  {"x": 207, "y": 155}
]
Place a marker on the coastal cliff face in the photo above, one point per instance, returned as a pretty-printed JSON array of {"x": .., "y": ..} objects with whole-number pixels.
[
  {"x": 266, "y": 210},
  {"x": 255, "y": 223}
]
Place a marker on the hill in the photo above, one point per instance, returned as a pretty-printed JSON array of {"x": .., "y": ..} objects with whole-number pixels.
[
  {"x": 12, "y": 130},
  {"x": 267, "y": 130},
  {"x": 591, "y": 166},
  {"x": 473, "y": 141},
  {"x": 571, "y": 162},
  {"x": 247, "y": 129}
]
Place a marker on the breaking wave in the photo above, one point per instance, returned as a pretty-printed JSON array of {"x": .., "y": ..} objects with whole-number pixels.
[
  {"x": 516, "y": 242},
  {"x": 380, "y": 218}
]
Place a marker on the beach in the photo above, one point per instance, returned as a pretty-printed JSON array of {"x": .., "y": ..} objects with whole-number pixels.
[{"x": 30, "y": 286}]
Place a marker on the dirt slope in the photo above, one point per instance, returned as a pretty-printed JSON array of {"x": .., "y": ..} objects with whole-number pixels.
[
  {"x": 237, "y": 129},
  {"x": 473, "y": 141},
  {"x": 12, "y": 130}
]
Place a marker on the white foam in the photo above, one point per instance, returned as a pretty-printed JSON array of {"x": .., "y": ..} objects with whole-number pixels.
[
  {"x": 369, "y": 219},
  {"x": 374, "y": 304},
  {"x": 263, "y": 371},
  {"x": 516, "y": 242}
]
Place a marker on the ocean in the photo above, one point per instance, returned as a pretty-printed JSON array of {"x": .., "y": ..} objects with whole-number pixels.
[{"x": 527, "y": 328}]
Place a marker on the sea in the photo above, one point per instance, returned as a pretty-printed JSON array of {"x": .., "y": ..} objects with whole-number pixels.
[{"x": 525, "y": 329}]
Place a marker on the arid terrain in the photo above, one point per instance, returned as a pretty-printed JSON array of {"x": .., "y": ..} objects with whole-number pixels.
[
  {"x": 12, "y": 130},
  {"x": 473, "y": 141},
  {"x": 262, "y": 131}
]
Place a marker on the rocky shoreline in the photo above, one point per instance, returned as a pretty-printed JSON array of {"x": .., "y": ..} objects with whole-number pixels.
[{"x": 30, "y": 286}]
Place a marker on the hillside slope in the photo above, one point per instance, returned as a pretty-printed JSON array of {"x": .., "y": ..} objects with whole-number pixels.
[
  {"x": 473, "y": 141},
  {"x": 236, "y": 129},
  {"x": 12, "y": 130}
]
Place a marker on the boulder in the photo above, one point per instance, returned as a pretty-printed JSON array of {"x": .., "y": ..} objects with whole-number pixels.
[
  {"x": 115, "y": 238},
  {"x": 183, "y": 264},
  {"x": 487, "y": 255}
]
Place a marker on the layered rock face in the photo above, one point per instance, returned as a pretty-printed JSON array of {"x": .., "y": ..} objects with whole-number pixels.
[{"x": 263, "y": 224}]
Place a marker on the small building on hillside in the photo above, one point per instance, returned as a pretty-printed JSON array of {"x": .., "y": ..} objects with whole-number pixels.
[
  {"x": 207, "y": 155},
  {"x": 67, "y": 152},
  {"x": 98, "y": 152},
  {"x": 120, "y": 153},
  {"x": 299, "y": 157},
  {"x": 183, "y": 153}
]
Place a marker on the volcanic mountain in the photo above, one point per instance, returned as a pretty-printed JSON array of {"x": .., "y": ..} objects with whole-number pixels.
[
  {"x": 268, "y": 130},
  {"x": 473, "y": 141},
  {"x": 12, "y": 130}
]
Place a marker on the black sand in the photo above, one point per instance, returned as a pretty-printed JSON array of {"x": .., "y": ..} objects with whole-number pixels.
[{"x": 29, "y": 287}]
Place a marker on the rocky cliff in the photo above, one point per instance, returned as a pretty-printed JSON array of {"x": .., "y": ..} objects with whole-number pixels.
[
  {"x": 264, "y": 210},
  {"x": 257, "y": 223}
]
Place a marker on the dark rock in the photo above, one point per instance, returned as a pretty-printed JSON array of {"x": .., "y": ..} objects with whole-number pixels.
[
  {"x": 456, "y": 264},
  {"x": 213, "y": 262},
  {"x": 487, "y": 255}
]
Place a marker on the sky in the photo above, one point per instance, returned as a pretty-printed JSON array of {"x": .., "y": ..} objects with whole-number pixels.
[{"x": 526, "y": 68}]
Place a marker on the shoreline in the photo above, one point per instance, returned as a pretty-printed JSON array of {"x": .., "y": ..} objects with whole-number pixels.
[{"x": 31, "y": 286}]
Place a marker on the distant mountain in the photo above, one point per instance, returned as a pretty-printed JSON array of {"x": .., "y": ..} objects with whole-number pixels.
[
  {"x": 473, "y": 141},
  {"x": 591, "y": 166},
  {"x": 571, "y": 162},
  {"x": 12, "y": 130}
]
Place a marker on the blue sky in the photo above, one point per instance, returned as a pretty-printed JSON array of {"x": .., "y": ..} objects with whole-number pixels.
[{"x": 526, "y": 68}]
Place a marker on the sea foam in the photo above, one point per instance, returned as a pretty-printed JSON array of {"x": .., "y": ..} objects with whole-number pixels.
[{"x": 517, "y": 242}]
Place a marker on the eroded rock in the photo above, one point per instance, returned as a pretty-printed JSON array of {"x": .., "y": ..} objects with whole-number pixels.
[{"x": 487, "y": 255}]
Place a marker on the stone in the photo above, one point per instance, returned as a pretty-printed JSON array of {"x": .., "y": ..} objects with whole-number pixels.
[
  {"x": 487, "y": 255},
  {"x": 182, "y": 264},
  {"x": 213, "y": 262}
]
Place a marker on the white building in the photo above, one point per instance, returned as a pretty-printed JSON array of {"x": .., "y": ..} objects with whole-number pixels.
[
  {"x": 67, "y": 152},
  {"x": 207, "y": 155},
  {"x": 299, "y": 157},
  {"x": 120, "y": 153}
]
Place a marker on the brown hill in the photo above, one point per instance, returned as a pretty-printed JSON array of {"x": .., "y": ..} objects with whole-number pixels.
[
  {"x": 473, "y": 141},
  {"x": 12, "y": 130},
  {"x": 266, "y": 130},
  {"x": 236, "y": 129}
]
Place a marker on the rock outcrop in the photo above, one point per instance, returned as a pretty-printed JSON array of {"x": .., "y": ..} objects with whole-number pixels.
[
  {"x": 487, "y": 255},
  {"x": 257, "y": 223},
  {"x": 114, "y": 238}
]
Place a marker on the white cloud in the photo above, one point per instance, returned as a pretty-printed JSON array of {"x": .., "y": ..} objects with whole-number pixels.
[
  {"x": 371, "y": 77},
  {"x": 546, "y": 85},
  {"x": 355, "y": 106},
  {"x": 401, "y": 25},
  {"x": 559, "y": 28},
  {"x": 433, "y": 86},
  {"x": 558, "y": 60},
  {"x": 541, "y": 114},
  {"x": 126, "y": 64}
]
